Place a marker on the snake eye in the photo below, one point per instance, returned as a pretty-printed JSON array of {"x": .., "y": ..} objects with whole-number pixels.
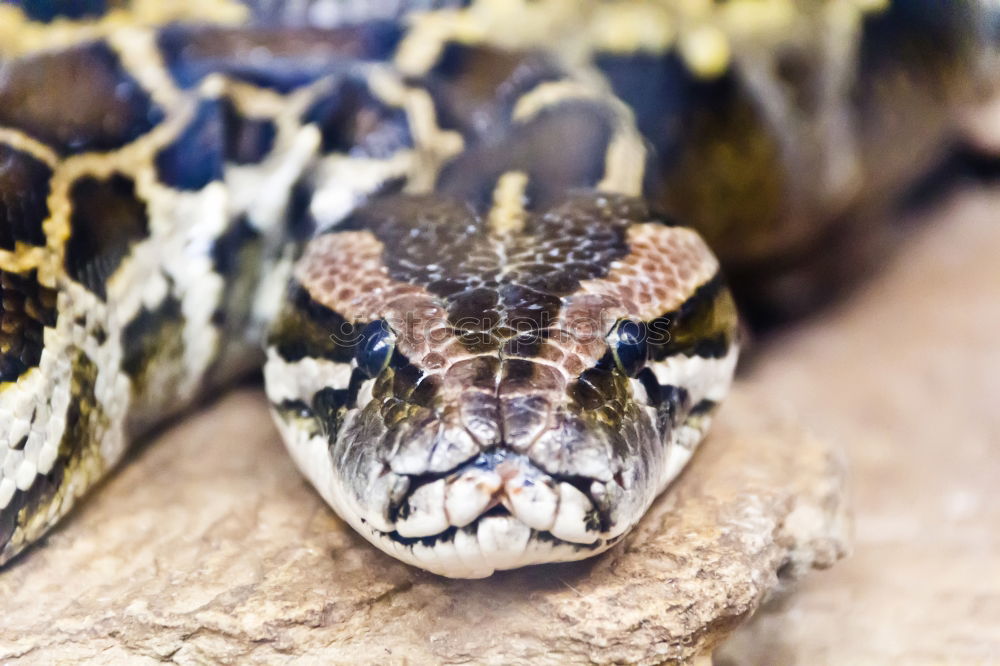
[
  {"x": 375, "y": 347},
  {"x": 627, "y": 341}
]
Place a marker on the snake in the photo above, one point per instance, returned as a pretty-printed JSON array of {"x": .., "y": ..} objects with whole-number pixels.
[{"x": 485, "y": 253}]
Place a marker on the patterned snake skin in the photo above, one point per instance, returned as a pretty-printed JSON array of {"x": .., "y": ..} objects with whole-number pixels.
[{"x": 452, "y": 234}]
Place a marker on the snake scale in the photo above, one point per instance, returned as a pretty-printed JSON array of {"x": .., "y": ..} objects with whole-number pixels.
[{"x": 464, "y": 240}]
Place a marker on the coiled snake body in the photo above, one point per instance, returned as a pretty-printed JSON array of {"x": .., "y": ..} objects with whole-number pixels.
[{"x": 486, "y": 344}]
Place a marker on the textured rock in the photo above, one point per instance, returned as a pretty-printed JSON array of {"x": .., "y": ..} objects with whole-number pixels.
[{"x": 210, "y": 547}]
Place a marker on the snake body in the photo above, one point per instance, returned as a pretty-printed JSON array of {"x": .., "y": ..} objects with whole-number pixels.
[{"x": 454, "y": 239}]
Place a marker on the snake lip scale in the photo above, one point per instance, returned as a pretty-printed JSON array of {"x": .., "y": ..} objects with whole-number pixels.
[{"x": 502, "y": 465}]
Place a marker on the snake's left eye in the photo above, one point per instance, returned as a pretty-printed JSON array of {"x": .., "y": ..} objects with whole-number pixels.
[
  {"x": 627, "y": 341},
  {"x": 375, "y": 347}
]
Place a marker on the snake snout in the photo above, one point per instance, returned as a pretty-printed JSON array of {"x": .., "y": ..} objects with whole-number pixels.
[{"x": 501, "y": 483}]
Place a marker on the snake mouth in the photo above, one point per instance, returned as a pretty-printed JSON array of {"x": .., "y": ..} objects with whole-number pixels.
[
  {"x": 494, "y": 541},
  {"x": 492, "y": 518},
  {"x": 501, "y": 485}
]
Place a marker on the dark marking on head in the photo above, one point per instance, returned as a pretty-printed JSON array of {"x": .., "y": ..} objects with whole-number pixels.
[
  {"x": 352, "y": 120},
  {"x": 330, "y": 406},
  {"x": 705, "y": 324},
  {"x": 671, "y": 402},
  {"x": 425, "y": 391},
  {"x": 548, "y": 537},
  {"x": 281, "y": 59},
  {"x": 307, "y": 328},
  {"x": 88, "y": 102},
  {"x": 24, "y": 190},
  {"x": 195, "y": 158},
  {"x": 298, "y": 409},
  {"x": 448, "y": 535},
  {"x": 107, "y": 219},
  {"x": 26, "y": 309},
  {"x": 524, "y": 345}
]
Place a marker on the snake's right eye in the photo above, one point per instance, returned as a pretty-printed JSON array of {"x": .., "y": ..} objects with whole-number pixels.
[
  {"x": 375, "y": 347},
  {"x": 627, "y": 341}
]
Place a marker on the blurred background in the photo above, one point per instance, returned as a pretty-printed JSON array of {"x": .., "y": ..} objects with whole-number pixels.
[{"x": 904, "y": 373}]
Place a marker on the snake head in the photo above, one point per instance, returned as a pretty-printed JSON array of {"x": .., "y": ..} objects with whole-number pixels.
[{"x": 473, "y": 397}]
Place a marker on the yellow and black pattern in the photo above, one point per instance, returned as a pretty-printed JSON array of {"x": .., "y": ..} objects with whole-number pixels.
[
  {"x": 500, "y": 173},
  {"x": 146, "y": 195}
]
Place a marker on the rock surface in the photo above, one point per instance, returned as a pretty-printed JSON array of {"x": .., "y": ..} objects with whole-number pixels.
[{"x": 209, "y": 547}]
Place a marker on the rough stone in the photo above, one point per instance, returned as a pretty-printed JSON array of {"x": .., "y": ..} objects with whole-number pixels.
[{"x": 209, "y": 547}]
